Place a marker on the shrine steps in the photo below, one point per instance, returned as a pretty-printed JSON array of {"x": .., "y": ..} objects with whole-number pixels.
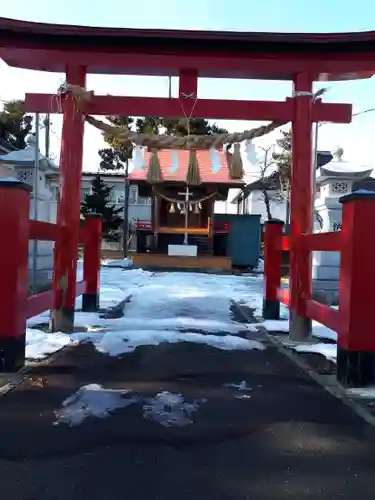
[
  {"x": 203, "y": 243},
  {"x": 174, "y": 262}
]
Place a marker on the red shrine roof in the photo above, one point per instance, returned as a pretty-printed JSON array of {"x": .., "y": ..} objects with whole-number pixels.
[
  {"x": 49, "y": 47},
  {"x": 179, "y": 175}
]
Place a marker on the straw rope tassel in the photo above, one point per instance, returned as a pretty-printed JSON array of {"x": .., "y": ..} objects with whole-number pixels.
[
  {"x": 193, "y": 176},
  {"x": 154, "y": 170},
  {"x": 236, "y": 166}
]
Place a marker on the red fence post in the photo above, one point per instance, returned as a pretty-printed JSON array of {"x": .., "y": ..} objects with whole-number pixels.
[
  {"x": 356, "y": 336},
  {"x": 14, "y": 252},
  {"x": 272, "y": 268},
  {"x": 91, "y": 262}
]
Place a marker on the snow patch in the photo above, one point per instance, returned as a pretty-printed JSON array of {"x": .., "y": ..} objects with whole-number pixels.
[
  {"x": 122, "y": 263},
  {"x": 318, "y": 330},
  {"x": 260, "y": 266},
  {"x": 92, "y": 401},
  {"x": 40, "y": 344},
  {"x": 362, "y": 392},
  {"x": 322, "y": 332},
  {"x": 115, "y": 343},
  {"x": 275, "y": 325},
  {"x": 242, "y": 388},
  {"x": 170, "y": 409},
  {"x": 329, "y": 351}
]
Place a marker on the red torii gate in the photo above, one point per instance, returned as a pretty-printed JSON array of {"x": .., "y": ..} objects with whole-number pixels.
[{"x": 77, "y": 51}]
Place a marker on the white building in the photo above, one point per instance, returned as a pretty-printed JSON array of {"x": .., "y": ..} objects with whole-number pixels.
[
  {"x": 139, "y": 207},
  {"x": 251, "y": 199}
]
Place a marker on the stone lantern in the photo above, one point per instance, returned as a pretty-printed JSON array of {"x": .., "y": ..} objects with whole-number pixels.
[{"x": 333, "y": 180}]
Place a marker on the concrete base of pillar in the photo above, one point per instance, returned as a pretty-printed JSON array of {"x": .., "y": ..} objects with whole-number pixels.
[
  {"x": 90, "y": 302},
  {"x": 271, "y": 309},
  {"x": 299, "y": 328},
  {"x": 12, "y": 354},
  {"x": 62, "y": 320},
  {"x": 355, "y": 368}
]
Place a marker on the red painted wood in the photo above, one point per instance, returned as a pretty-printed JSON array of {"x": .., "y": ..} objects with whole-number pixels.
[
  {"x": 68, "y": 219},
  {"x": 294, "y": 40},
  {"x": 218, "y": 227},
  {"x": 91, "y": 256},
  {"x": 324, "y": 242},
  {"x": 325, "y": 315},
  {"x": 188, "y": 91},
  {"x": 272, "y": 260},
  {"x": 42, "y": 231},
  {"x": 283, "y": 296},
  {"x": 301, "y": 196},
  {"x": 38, "y": 303},
  {"x": 188, "y": 83},
  {"x": 214, "y": 109},
  {"x": 14, "y": 224},
  {"x": 357, "y": 276},
  {"x": 214, "y": 64},
  {"x": 82, "y": 235},
  {"x": 143, "y": 225},
  {"x": 285, "y": 243}
]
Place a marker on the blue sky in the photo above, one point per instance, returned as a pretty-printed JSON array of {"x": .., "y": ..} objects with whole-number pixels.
[{"x": 269, "y": 15}]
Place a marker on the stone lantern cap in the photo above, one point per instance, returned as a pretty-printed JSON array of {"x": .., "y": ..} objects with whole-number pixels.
[
  {"x": 26, "y": 157},
  {"x": 339, "y": 168}
]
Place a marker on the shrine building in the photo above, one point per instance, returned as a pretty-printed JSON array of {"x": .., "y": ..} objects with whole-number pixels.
[{"x": 183, "y": 225}]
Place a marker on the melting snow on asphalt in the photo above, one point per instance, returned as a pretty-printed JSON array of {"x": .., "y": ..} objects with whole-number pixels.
[
  {"x": 120, "y": 342},
  {"x": 170, "y": 409},
  {"x": 166, "y": 408},
  {"x": 92, "y": 401},
  {"x": 164, "y": 307},
  {"x": 170, "y": 307}
]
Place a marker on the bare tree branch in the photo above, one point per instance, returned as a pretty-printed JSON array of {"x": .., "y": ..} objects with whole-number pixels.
[{"x": 269, "y": 195}]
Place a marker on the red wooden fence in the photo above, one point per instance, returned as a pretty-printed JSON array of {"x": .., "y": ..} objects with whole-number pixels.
[
  {"x": 354, "y": 321},
  {"x": 15, "y": 304}
]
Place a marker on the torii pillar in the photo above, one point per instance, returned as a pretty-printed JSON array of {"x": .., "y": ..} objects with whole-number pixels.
[
  {"x": 68, "y": 216},
  {"x": 301, "y": 207}
]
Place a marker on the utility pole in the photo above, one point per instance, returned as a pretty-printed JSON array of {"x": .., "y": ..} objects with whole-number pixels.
[
  {"x": 317, "y": 95},
  {"x": 169, "y": 87},
  {"x": 125, "y": 226},
  {"x": 47, "y": 125},
  {"x": 35, "y": 199}
]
